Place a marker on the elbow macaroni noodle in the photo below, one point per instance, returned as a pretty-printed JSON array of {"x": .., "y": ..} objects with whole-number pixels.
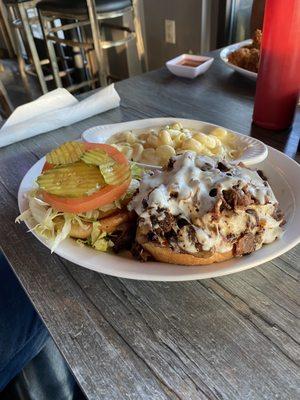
[{"x": 155, "y": 146}]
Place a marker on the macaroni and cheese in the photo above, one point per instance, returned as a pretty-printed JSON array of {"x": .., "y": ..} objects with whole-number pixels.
[{"x": 155, "y": 146}]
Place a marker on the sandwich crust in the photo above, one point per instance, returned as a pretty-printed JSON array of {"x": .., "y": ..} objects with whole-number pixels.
[
  {"x": 108, "y": 224},
  {"x": 167, "y": 255}
]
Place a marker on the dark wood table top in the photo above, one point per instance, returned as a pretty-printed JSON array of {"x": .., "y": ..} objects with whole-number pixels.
[{"x": 234, "y": 337}]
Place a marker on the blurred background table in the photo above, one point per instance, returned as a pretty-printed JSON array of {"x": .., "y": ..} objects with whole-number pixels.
[{"x": 233, "y": 337}]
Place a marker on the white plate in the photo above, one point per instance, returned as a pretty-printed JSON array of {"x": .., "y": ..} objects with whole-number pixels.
[
  {"x": 283, "y": 174},
  {"x": 229, "y": 49},
  {"x": 256, "y": 150}
]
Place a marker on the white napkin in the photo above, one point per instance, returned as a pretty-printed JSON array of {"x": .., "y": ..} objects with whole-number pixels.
[{"x": 55, "y": 110}]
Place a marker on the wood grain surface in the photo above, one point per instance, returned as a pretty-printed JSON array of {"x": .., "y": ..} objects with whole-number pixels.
[{"x": 234, "y": 337}]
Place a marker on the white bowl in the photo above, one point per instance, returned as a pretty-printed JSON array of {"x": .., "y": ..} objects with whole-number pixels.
[{"x": 189, "y": 72}]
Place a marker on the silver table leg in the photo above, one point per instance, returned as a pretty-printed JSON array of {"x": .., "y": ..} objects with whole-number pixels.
[{"x": 32, "y": 47}]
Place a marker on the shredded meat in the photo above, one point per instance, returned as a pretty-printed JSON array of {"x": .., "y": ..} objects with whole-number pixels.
[
  {"x": 245, "y": 244},
  {"x": 123, "y": 237},
  {"x": 250, "y": 211},
  {"x": 151, "y": 236},
  {"x": 236, "y": 197},
  {"x": 193, "y": 238},
  {"x": 181, "y": 222},
  {"x": 222, "y": 167},
  {"x": 140, "y": 253},
  {"x": 170, "y": 164},
  {"x": 278, "y": 215},
  {"x": 164, "y": 225},
  {"x": 262, "y": 175},
  {"x": 167, "y": 222}
]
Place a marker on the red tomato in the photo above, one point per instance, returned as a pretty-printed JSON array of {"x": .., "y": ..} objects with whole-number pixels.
[{"x": 105, "y": 195}]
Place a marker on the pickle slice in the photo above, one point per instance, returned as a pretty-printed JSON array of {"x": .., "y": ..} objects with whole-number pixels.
[
  {"x": 115, "y": 174},
  {"x": 97, "y": 157},
  {"x": 66, "y": 153},
  {"x": 72, "y": 180}
]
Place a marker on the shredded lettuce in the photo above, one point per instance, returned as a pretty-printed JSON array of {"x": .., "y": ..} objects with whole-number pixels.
[
  {"x": 102, "y": 244},
  {"x": 48, "y": 225},
  {"x": 136, "y": 171},
  {"x": 56, "y": 226},
  {"x": 99, "y": 240}
]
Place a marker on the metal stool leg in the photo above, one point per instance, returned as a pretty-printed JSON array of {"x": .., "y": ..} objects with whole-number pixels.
[
  {"x": 61, "y": 55},
  {"x": 51, "y": 50},
  {"x": 86, "y": 57},
  {"x": 102, "y": 69},
  {"x": 5, "y": 101},
  {"x": 33, "y": 50},
  {"x": 18, "y": 50},
  {"x": 139, "y": 36}
]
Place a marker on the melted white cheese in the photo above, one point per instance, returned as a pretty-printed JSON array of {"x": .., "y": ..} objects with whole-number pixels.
[
  {"x": 193, "y": 184},
  {"x": 185, "y": 190}
]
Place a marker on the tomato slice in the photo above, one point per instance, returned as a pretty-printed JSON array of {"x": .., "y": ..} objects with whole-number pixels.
[
  {"x": 47, "y": 166},
  {"x": 102, "y": 197}
]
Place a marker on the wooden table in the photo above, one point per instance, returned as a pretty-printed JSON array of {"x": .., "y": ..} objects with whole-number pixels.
[{"x": 233, "y": 337}]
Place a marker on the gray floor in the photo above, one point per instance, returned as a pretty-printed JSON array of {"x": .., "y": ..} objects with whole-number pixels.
[{"x": 13, "y": 83}]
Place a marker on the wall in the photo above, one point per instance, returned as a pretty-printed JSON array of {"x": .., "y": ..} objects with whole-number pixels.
[{"x": 187, "y": 15}]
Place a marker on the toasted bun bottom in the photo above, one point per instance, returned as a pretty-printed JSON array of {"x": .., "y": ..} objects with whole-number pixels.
[
  {"x": 108, "y": 225},
  {"x": 167, "y": 255}
]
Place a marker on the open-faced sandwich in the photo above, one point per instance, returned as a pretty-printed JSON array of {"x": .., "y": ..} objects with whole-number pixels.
[
  {"x": 200, "y": 210},
  {"x": 83, "y": 191},
  {"x": 197, "y": 210}
]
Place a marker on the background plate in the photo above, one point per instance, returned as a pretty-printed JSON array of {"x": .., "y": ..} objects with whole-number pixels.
[
  {"x": 256, "y": 152},
  {"x": 282, "y": 173},
  {"x": 229, "y": 49}
]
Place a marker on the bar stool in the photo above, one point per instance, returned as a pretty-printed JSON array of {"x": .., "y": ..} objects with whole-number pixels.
[
  {"x": 79, "y": 14},
  {"x": 23, "y": 20},
  {"x": 21, "y": 23}
]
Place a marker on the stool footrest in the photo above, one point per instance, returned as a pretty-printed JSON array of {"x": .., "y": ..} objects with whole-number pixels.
[
  {"x": 71, "y": 43},
  {"x": 107, "y": 44}
]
